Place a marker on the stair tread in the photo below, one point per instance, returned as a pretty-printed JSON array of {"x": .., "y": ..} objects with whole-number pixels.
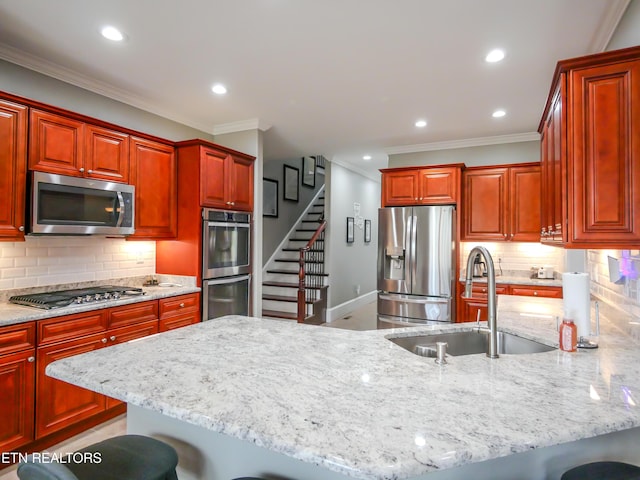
[
  {"x": 297, "y": 250},
  {"x": 277, "y": 314},
  {"x": 282, "y": 298},
  {"x": 295, "y": 272},
  {"x": 269, "y": 283},
  {"x": 295, "y": 260}
]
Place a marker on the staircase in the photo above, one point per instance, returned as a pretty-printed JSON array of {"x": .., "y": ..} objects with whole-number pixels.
[{"x": 280, "y": 283}]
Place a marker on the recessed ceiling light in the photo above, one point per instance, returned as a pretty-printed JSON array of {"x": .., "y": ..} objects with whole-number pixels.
[
  {"x": 494, "y": 56},
  {"x": 498, "y": 114},
  {"x": 112, "y": 33},
  {"x": 219, "y": 89},
  {"x": 421, "y": 123},
  {"x": 367, "y": 157}
]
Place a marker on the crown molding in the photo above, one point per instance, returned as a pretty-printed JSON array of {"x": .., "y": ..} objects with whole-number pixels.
[
  {"x": 608, "y": 26},
  {"x": 375, "y": 176},
  {"x": 240, "y": 126},
  {"x": 464, "y": 143},
  {"x": 50, "y": 69}
]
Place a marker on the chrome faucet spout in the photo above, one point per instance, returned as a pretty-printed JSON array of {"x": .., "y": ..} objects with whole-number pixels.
[{"x": 491, "y": 295}]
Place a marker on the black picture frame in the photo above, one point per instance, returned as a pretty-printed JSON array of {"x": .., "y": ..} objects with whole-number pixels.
[
  {"x": 290, "y": 184},
  {"x": 269, "y": 197},
  {"x": 309, "y": 171},
  {"x": 367, "y": 231},
  {"x": 350, "y": 229}
]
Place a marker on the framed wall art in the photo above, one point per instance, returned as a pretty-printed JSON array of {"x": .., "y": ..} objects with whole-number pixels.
[
  {"x": 291, "y": 181},
  {"x": 309, "y": 171},
  {"x": 350, "y": 229},
  {"x": 269, "y": 197},
  {"x": 367, "y": 231}
]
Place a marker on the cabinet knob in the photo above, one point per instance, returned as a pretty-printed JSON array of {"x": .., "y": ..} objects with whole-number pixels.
[
  {"x": 81, "y": 169},
  {"x": 112, "y": 338},
  {"x": 104, "y": 340},
  {"x": 535, "y": 294},
  {"x": 484, "y": 290},
  {"x": 182, "y": 305},
  {"x": 31, "y": 359},
  {"x": 21, "y": 228},
  {"x": 506, "y": 235},
  {"x": 90, "y": 171}
]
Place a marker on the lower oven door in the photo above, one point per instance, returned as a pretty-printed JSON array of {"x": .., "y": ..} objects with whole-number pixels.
[{"x": 226, "y": 296}]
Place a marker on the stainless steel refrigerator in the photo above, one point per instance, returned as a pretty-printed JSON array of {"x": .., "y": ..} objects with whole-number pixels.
[{"x": 416, "y": 263}]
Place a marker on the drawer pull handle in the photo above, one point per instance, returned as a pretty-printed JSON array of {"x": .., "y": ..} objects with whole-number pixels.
[
  {"x": 535, "y": 294},
  {"x": 104, "y": 340},
  {"x": 31, "y": 359},
  {"x": 182, "y": 305},
  {"x": 112, "y": 338}
]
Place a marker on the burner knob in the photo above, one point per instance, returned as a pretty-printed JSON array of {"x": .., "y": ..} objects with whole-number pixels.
[
  {"x": 116, "y": 295},
  {"x": 106, "y": 295},
  {"x": 88, "y": 298},
  {"x": 97, "y": 296},
  {"x": 79, "y": 300}
]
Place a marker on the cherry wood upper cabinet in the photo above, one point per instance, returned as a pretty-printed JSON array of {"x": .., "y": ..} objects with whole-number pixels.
[
  {"x": 154, "y": 174},
  {"x": 501, "y": 203},
  {"x": 13, "y": 168},
  {"x": 599, "y": 122},
  {"x": 67, "y": 146},
  {"x": 420, "y": 186}
]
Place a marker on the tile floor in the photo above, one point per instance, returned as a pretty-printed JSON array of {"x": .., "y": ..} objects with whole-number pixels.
[{"x": 365, "y": 318}]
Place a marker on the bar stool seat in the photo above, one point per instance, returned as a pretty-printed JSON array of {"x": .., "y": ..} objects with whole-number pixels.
[
  {"x": 127, "y": 457},
  {"x": 603, "y": 471}
]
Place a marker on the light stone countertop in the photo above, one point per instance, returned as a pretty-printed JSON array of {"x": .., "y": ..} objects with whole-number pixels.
[
  {"x": 356, "y": 403},
  {"x": 11, "y": 314}
]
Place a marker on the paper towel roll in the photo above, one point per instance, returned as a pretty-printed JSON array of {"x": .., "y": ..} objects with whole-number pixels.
[{"x": 576, "y": 300}]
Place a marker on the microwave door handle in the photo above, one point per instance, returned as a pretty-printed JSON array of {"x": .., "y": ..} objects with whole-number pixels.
[
  {"x": 121, "y": 209},
  {"x": 228, "y": 224}
]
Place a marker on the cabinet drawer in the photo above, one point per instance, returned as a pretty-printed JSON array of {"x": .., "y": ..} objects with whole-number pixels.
[
  {"x": 179, "y": 305},
  {"x": 548, "y": 292},
  {"x": 16, "y": 338},
  {"x": 71, "y": 326},
  {"x": 177, "y": 321},
  {"x": 132, "y": 314},
  {"x": 480, "y": 291}
]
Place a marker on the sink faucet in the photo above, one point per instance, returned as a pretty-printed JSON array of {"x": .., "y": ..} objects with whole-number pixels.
[{"x": 491, "y": 295}]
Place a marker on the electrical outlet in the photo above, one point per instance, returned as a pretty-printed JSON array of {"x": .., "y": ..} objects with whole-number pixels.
[{"x": 357, "y": 289}]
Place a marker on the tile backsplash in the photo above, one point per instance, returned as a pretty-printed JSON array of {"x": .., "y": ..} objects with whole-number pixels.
[
  {"x": 624, "y": 296},
  {"x": 516, "y": 256},
  {"x": 41, "y": 261}
]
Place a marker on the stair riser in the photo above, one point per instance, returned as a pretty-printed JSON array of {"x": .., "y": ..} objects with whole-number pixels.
[
  {"x": 285, "y": 292},
  {"x": 279, "y": 306}
]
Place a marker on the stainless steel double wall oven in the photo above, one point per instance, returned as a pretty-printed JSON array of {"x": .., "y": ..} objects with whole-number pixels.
[{"x": 226, "y": 263}]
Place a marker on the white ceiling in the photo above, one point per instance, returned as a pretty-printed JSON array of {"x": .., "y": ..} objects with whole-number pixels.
[{"x": 338, "y": 77}]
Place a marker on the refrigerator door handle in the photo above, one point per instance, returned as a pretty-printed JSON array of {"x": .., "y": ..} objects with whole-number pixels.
[
  {"x": 413, "y": 221},
  {"x": 409, "y": 299}
]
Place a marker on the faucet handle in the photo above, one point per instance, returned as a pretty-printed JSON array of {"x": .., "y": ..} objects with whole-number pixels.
[{"x": 478, "y": 318}]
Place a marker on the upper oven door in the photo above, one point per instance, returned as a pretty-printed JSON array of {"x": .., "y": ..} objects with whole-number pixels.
[
  {"x": 78, "y": 206},
  {"x": 226, "y": 246}
]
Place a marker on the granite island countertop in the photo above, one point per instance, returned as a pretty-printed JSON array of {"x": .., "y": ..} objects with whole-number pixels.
[
  {"x": 11, "y": 314},
  {"x": 356, "y": 403}
]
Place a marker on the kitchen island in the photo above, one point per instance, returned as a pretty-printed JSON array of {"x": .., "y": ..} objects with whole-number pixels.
[{"x": 245, "y": 396}]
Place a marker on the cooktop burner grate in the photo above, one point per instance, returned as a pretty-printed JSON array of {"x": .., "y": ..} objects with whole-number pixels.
[{"x": 63, "y": 298}]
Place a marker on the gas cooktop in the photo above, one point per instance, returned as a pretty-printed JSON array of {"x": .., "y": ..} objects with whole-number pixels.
[{"x": 63, "y": 298}]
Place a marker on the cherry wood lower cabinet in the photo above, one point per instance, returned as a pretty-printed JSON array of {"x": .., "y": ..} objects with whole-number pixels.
[
  {"x": 17, "y": 385},
  {"x": 176, "y": 312},
  {"x": 468, "y": 308}
]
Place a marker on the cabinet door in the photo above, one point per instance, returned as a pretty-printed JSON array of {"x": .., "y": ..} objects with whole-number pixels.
[
  {"x": 438, "y": 186},
  {"x": 400, "y": 188},
  {"x": 179, "y": 311},
  {"x": 125, "y": 334},
  {"x": 132, "y": 314},
  {"x": 486, "y": 196},
  {"x": 13, "y": 169},
  {"x": 107, "y": 155},
  {"x": 17, "y": 388},
  {"x": 153, "y": 173},
  {"x": 470, "y": 308},
  {"x": 524, "y": 204},
  {"x": 212, "y": 182},
  {"x": 240, "y": 183},
  {"x": 56, "y": 144},
  {"x": 604, "y": 154},
  {"x": 60, "y": 404}
]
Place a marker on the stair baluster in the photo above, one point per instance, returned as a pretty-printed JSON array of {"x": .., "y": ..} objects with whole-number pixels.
[{"x": 314, "y": 265}]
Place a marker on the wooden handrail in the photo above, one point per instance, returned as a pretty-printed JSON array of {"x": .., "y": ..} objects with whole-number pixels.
[{"x": 302, "y": 296}]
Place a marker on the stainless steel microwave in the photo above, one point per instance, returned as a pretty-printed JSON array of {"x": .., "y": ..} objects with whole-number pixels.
[{"x": 62, "y": 205}]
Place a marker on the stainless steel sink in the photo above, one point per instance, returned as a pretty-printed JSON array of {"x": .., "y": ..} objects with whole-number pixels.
[{"x": 468, "y": 343}]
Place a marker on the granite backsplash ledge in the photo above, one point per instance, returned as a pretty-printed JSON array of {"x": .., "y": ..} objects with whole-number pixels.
[{"x": 137, "y": 281}]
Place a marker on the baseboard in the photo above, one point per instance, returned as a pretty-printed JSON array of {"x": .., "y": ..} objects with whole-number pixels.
[{"x": 346, "y": 308}]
